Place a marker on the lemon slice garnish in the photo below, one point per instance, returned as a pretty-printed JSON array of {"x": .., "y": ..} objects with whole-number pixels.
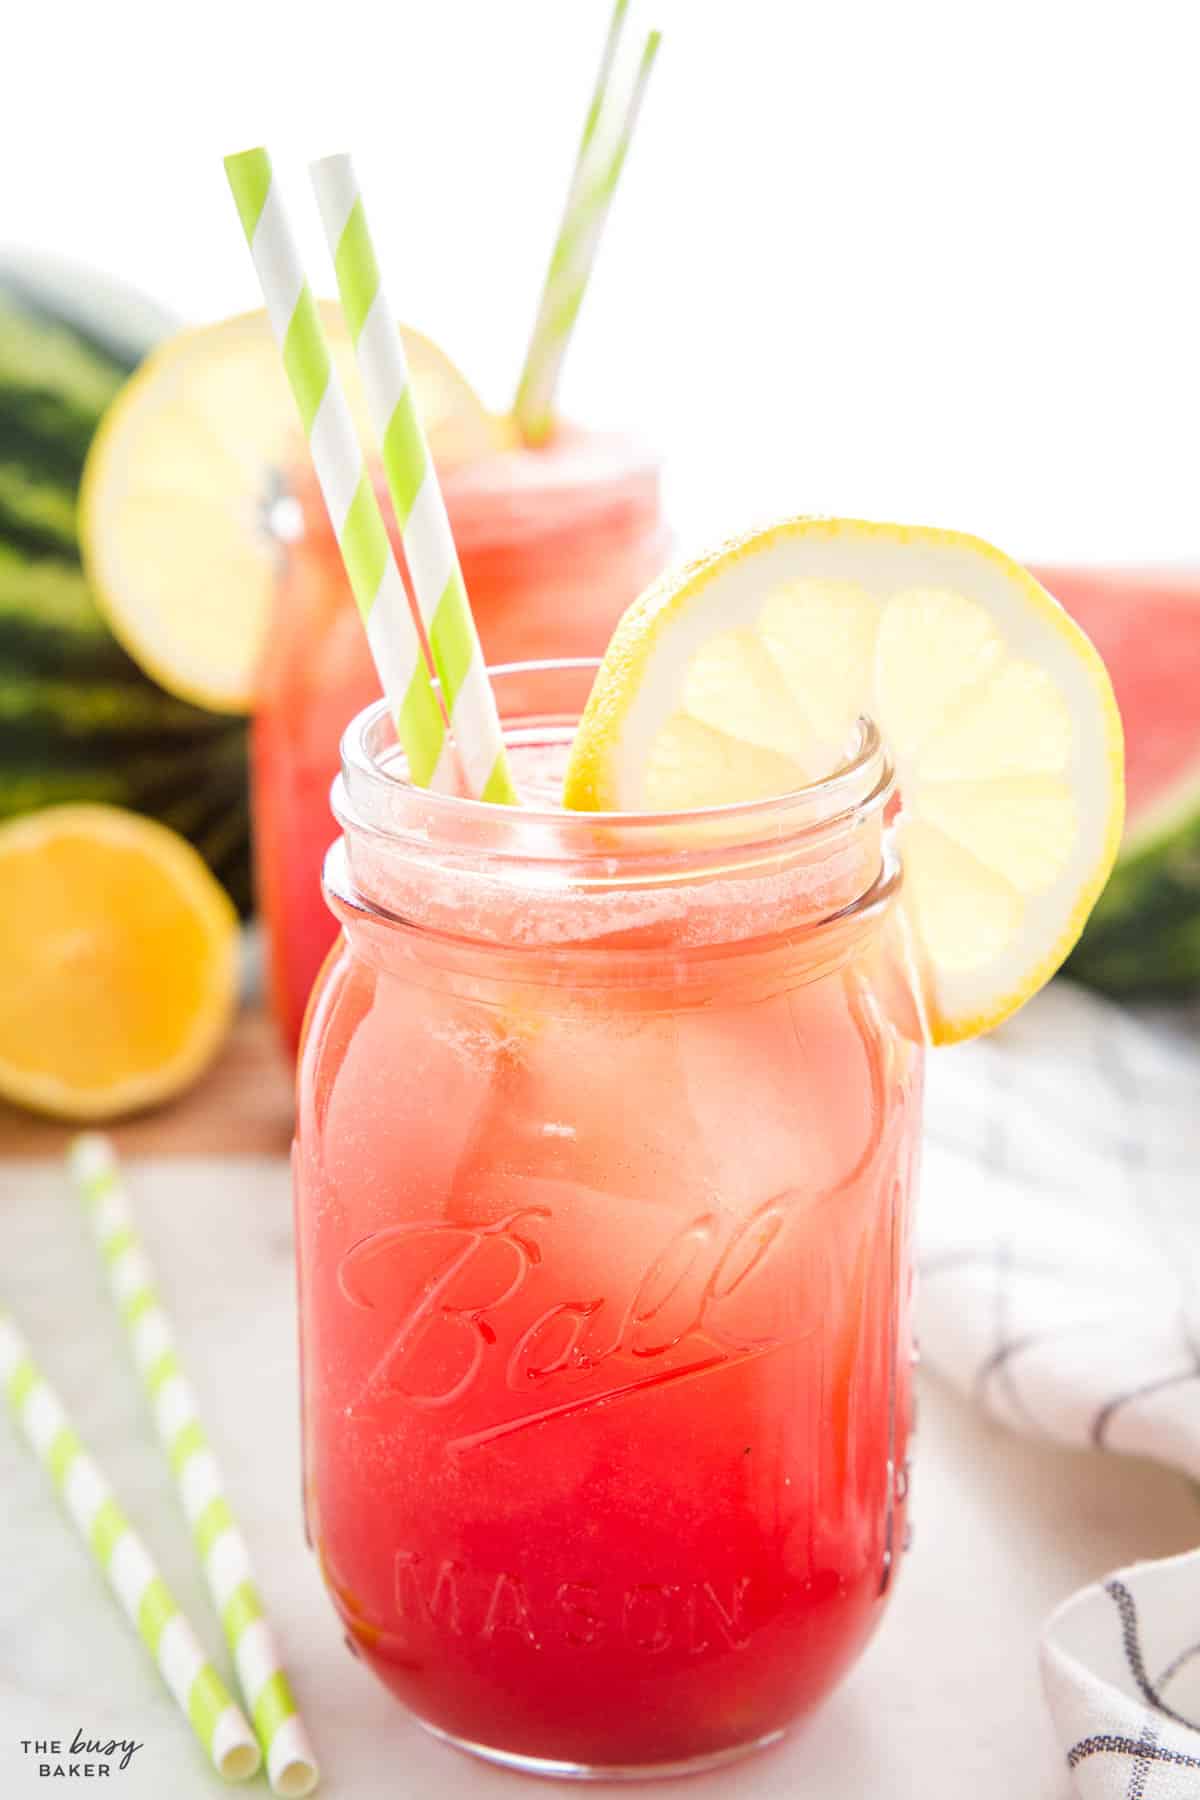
[{"x": 742, "y": 674}]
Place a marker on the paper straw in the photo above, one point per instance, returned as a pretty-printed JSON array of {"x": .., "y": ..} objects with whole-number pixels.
[
  {"x": 291, "y": 1765},
  {"x": 589, "y": 200},
  {"x": 340, "y": 464},
  {"x": 413, "y": 484},
  {"x": 128, "y": 1566},
  {"x": 599, "y": 93},
  {"x": 536, "y": 429}
]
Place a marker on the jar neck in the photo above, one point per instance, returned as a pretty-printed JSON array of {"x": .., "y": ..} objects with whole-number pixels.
[{"x": 597, "y": 896}]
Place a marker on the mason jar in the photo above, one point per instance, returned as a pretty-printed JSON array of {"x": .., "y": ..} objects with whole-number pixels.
[{"x": 605, "y": 1151}]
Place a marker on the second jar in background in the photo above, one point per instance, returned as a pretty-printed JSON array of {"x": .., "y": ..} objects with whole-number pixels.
[{"x": 554, "y": 544}]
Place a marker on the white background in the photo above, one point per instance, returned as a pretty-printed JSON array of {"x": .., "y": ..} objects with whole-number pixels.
[{"x": 931, "y": 260}]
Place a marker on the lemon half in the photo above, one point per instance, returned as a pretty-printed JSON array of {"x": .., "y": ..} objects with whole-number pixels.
[
  {"x": 177, "y": 490},
  {"x": 118, "y": 951}
]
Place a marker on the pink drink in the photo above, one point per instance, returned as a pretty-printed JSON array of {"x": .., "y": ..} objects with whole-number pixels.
[
  {"x": 605, "y": 1146},
  {"x": 1142, "y": 621},
  {"x": 554, "y": 545}
]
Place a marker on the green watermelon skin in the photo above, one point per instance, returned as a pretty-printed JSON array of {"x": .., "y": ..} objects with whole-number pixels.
[
  {"x": 78, "y": 718},
  {"x": 1143, "y": 938}
]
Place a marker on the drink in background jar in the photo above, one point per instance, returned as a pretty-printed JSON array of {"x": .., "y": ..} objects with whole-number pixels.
[{"x": 554, "y": 544}]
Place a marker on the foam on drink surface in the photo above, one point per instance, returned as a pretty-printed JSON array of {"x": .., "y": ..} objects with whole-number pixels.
[
  {"x": 539, "y": 769},
  {"x": 551, "y": 899}
]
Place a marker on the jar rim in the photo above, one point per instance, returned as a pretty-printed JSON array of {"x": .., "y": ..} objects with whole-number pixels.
[
  {"x": 515, "y": 496},
  {"x": 581, "y": 483},
  {"x": 372, "y": 794}
]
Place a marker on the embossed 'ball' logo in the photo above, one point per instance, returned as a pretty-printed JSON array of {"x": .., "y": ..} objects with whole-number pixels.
[{"x": 457, "y": 1299}]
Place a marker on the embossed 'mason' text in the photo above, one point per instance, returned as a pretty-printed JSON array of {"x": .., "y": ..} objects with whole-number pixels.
[{"x": 646, "y": 1616}]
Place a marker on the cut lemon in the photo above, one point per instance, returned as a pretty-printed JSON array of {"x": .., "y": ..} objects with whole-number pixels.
[
  {"x": 119, "y": 960},
  {"x": 742, "y": 675},
  {"x": 180, "y": 484}
]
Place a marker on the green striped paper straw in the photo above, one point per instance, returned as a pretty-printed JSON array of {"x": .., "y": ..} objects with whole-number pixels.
[
  {"x": 599, "y": 93},
  {"x": 224, "y": 1557},
  {"x": 341, "y": 467},
  {"x": 429, "y": 550},
  {"x": 128, "y": 1566},
  {"x": 523, "y": 404},
  {"x": 589, "y": 200}
]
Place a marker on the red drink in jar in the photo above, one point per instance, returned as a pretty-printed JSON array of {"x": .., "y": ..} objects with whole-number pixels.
[{"x": 605, "y": 1148}]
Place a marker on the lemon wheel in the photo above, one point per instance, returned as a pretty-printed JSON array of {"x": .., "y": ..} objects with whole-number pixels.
[{"x": 742, "y": 674}]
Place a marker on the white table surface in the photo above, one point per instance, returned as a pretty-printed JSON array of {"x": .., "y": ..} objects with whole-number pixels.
[{"x": 945, "y": 1704}]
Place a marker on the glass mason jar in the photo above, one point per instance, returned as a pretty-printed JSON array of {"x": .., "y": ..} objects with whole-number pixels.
[
  {"x": 554, "y": 544},
  {"x": 606, "y": 1140}
]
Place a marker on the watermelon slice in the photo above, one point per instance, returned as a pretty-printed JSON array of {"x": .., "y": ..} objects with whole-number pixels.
[{"x": 1144, "y": 935}]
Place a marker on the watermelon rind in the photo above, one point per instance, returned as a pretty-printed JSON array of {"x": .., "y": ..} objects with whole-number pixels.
[
  {"x": 79, "y": 720},
  {"x": 117, "y": 321},
  {"x": 1143, "y": 938}
]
